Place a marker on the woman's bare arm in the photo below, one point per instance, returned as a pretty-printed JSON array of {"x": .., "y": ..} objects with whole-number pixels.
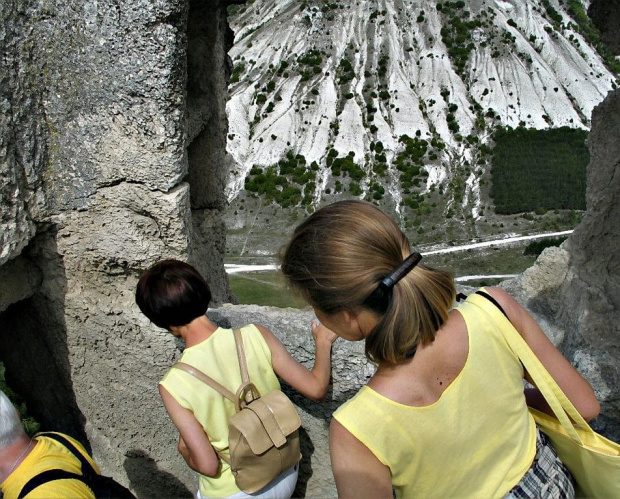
[
  {"x": 194, "y": 443},
  {"x": 310, "y": 383},
  {"x": 357, "y": 471},
  {"x": 576, "y": 388}
]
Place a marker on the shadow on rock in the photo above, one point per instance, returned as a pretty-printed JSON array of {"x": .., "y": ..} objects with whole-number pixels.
[{"x": 147, "y": 480}]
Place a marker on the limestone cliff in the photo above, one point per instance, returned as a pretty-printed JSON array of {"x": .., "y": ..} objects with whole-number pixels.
[{"x": 112, "y": 133}]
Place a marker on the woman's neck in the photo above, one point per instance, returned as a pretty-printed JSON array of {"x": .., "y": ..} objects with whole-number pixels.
[{"x": 196, "y": 331}]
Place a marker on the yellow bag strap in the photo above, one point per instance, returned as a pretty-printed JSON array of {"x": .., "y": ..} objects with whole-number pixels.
[{"x": 555, "y": 397}]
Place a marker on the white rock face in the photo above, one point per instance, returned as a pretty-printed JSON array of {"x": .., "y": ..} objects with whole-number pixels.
[{"x": 521, "y": 66}]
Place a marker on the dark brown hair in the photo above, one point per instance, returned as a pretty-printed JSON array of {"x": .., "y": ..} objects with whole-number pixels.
[
  {"x": 172, "y": 293},
  {"x": 336, "y": 259}
]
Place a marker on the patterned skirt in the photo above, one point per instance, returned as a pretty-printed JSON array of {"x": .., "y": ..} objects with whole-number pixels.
[{"x": 547, "y": 477}]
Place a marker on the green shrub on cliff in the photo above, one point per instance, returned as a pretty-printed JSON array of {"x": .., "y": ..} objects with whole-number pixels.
[
  {"x": 539, "y": 170},
  {"x": 31, "y": 426}
]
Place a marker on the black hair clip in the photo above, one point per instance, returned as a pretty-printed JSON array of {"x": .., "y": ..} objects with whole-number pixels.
[
  {"x": 406, "y": 266},
  {"x": 379, "y": 299}
]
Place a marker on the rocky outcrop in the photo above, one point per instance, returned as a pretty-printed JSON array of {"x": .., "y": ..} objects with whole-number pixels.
[
  {"x": 589, "y": 303},
  {"x": 577, "y": 287},
  {"x": 112, "y": 156}
]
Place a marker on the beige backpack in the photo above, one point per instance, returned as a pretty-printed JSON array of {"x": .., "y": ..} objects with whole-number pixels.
[{"x": 263, "y": 439}]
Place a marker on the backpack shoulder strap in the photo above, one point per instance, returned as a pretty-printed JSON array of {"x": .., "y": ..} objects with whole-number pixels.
[
  {"x": 58, "y": 474},
  {"x": 49, "y": 476},
  {"x": 243, "y": 365},
  {"x": 197, "y": 373}
]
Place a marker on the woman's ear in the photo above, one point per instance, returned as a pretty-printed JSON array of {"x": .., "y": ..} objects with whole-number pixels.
[{"x": 363, "y": 320}]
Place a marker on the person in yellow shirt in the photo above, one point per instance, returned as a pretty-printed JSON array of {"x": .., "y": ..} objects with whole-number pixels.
[
  {"x": 445, "y": 414},
  {"x": 174, "y": 296},
  {"x": 51, "y": 465},
  {"x": 23, "y": 458}
]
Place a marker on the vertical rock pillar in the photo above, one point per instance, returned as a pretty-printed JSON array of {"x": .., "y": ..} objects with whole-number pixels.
[
  {"x": 112, "y": 156},
  {"x": 589, "y": 304}
]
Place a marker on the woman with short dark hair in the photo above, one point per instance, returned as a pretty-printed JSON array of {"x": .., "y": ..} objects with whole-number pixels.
[{"x": 174, "y": 296}]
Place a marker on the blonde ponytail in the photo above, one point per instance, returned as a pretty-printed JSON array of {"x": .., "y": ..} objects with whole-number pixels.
[{"x": 337, "y": 258}]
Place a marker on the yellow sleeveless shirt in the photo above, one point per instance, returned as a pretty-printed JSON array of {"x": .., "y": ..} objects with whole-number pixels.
[
  {"x": 217, "y": 357},
  {"x": 477, "y": 440}
]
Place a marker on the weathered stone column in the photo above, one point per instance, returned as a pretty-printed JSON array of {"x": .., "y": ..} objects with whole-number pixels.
[
  {"x": 589, "y": 305},
  {"x": 112, "y": 156},
  {"x": 574, "y": 291}
]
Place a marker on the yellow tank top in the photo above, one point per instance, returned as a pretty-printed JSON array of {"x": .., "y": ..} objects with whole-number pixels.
[
  {"x": 477, "y": 440},
  {"x": 217, "y": 357}
]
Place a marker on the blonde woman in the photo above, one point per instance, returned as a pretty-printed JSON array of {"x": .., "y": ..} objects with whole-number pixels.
[{"x": 445, "y": 414}]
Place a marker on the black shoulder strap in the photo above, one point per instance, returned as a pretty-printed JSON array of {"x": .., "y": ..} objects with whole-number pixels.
[
  {"x": 48, "y": 476},
  {"x": 87, "y": 468},
  {"x": 101, "y": 486},
  {"x": 493, "y": 301},
  {"x": 56, "y": 474}
]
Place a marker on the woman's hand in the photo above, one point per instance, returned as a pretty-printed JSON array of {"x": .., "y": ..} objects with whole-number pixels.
[
  {"x": 321, "y": 333},
  {"x": 199, "y": 454}
]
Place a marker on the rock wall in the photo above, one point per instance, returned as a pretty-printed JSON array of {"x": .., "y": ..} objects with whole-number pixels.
[
  {"x": 112, "y": 133},
  {"x": 575, "y": 289},
  {"x": 589, "y": 306}
]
